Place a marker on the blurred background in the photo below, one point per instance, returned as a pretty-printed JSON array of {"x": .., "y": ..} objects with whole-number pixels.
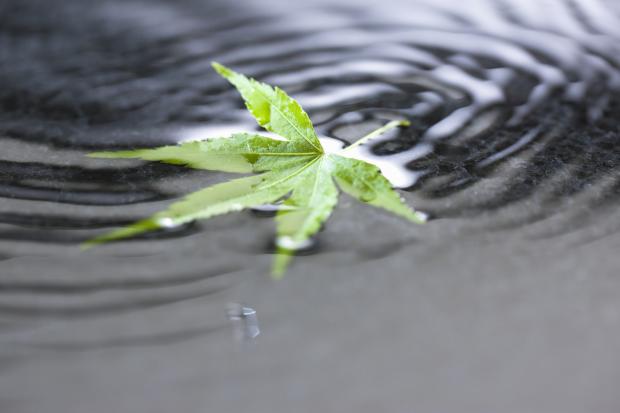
[{"x": 506, "y": 301}]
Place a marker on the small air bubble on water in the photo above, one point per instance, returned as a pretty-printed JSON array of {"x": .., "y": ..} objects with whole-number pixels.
[
  {"x": 290, "y": 244},
  {"x": 166, "y": 222},
  {"x": 244, "y": 320},
  {"x": 423, "y": 215}
]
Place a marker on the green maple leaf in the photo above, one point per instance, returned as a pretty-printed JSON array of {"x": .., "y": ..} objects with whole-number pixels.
[{"x": 295, "y": 167}]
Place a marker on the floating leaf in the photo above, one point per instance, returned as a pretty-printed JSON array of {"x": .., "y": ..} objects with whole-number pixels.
[{"x": 295, "y": 166}]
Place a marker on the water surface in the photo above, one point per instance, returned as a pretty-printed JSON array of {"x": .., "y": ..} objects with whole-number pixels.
[{"x": 506, "y": 301}]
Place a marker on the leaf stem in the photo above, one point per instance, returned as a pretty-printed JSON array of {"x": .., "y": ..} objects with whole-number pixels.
[{"x": 388, "y": 126}]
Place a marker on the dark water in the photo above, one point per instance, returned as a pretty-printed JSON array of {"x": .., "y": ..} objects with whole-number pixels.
[{"x": 513, "y": 151}]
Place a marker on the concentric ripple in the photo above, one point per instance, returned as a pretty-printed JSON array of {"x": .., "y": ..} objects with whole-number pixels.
[{"x": 509, "y": 107}]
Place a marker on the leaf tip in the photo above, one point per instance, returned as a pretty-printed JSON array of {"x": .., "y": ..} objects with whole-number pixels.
[
  {"x": 281, "y": 262},
  {"x": 114, "y": 154},
  {"x": 285, "y": 250},
  {"x": 221, "y": 69},
  {"x": 420, "y": 217},
  {"x": 86, "y": 245},
  {"x": 98, "y": 155}
]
